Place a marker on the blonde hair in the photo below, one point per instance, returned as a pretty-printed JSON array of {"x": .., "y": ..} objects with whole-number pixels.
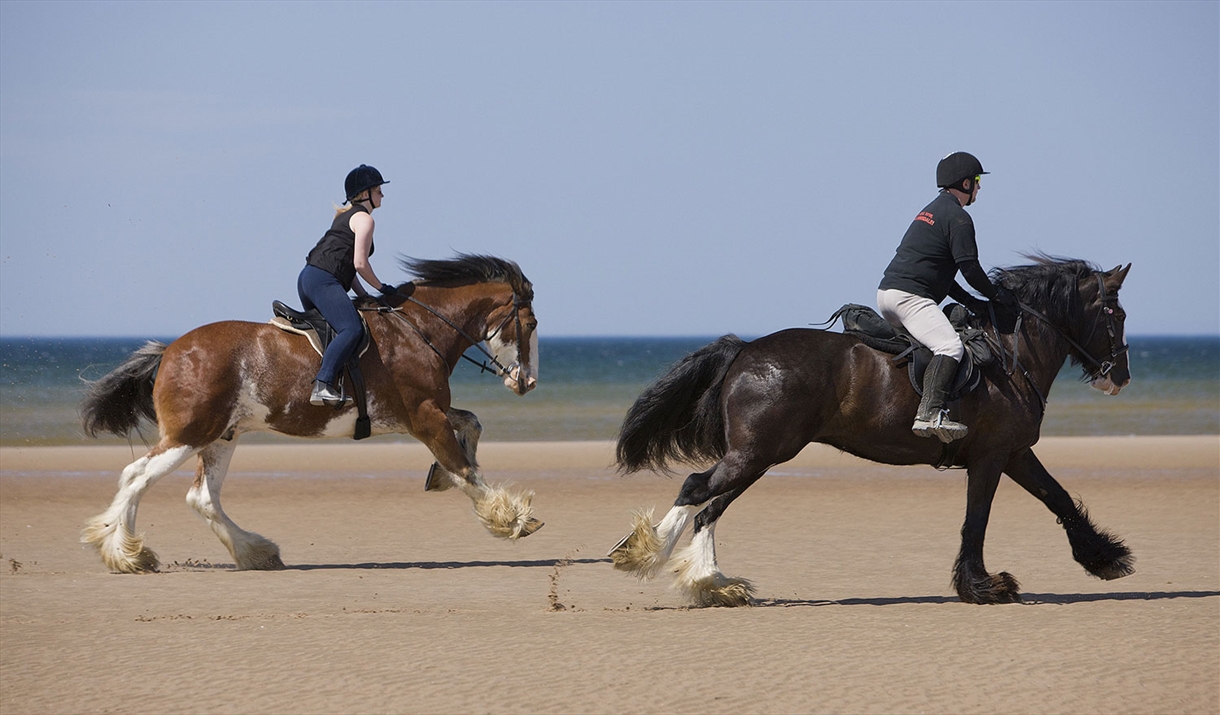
[{"x": 339, "y": 210}]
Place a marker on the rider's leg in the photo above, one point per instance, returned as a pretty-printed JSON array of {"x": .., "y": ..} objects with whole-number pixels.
[
  {"x": 319, "y": 289},
  {"x": 924, "y": 320}
]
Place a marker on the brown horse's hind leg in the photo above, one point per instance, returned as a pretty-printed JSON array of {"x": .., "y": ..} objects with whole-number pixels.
[
  {"x": 249, "y": 550},
  {"x": 112, "y": 533},
  {"x": 1101, "y": 553}
]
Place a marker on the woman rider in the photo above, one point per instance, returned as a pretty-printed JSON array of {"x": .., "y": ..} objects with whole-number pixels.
[
  {"x": 939, "y": 243},
  {"x": 330, "y": 272}
]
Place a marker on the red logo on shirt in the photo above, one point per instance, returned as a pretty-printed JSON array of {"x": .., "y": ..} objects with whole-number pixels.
[{"x": 926, "y": 218}]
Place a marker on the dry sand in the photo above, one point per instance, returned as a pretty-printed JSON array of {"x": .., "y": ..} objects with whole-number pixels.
[{"x": 396, "y": 600}]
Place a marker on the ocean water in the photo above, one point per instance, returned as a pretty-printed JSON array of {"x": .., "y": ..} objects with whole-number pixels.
[{"x": 587, "y": 384}]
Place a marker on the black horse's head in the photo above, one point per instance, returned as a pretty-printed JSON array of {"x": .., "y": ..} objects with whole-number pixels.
[{"x": 1080, "y": 301}]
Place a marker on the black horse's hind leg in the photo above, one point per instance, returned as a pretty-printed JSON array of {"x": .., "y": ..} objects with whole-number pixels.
[
  {"x": 649, "y": 547},
  {"x": 1099, "y": 552},
  {"x": 696, "y": 571},
  {"x": 970, "y": 577}
]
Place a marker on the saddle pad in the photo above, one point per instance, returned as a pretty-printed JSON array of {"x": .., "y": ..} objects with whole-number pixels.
[
  {"x": 312, "y": 335},
  {"x": 287, "y": 326}
]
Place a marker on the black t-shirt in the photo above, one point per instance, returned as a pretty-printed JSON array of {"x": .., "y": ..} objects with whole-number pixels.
[
  {"x": 926, "y": 262},
  {"x": 335, "y": 252}
]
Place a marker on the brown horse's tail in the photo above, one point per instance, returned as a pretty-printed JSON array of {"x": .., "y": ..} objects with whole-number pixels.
[
  {"x": 678, "y": 417},
  {"x": 117, "y": 402}
]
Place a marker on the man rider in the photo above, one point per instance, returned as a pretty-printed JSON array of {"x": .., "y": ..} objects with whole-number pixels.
[{"x": 939, "y": 244}]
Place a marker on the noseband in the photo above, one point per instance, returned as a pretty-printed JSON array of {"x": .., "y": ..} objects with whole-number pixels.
[{"x": 1103, "y": 367}]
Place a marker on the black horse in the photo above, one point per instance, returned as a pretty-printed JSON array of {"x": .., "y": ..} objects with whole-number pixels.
[{"x": 748, "y": 406}]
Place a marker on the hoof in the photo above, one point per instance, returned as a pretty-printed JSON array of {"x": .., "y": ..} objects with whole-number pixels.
[
  {"x": 1000, "y": 588},
  {"x": 1106, "y": 558},
  {"x": 258, "y": 553},
  {"x": 639, "y": 552},
  {"x": 120, "y": 550},
  {"x": 268, "y": 563},
  {"x": 720, "y": 591},
  {"x": 506, "y": 515},
  {"x": 437, "y": 482}
]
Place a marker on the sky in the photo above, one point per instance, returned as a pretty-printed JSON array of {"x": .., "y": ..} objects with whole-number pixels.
[{"x": 683, "y": 169}]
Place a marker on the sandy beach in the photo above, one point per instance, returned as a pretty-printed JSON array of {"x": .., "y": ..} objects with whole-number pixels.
[{"x": 396, "y": 600}]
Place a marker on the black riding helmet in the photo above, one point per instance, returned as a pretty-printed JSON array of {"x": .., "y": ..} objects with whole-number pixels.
[
  {"x": 361, "y": 179},
  {"x": 955, "y": 168}
]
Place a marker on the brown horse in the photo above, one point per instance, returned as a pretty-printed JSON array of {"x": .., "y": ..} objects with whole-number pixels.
[
  {"x": 750, "y": 406},
  {"x": 221, "y": 380}
]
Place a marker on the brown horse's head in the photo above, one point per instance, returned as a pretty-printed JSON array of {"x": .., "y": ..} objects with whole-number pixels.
[
  {"x": 515, "y": 345},
  {"x": 511, "y": 326}
]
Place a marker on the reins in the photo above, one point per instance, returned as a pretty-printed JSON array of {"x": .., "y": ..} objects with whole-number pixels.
[
  {"x": 1103, "y": 367},
  {"x": 496, "y": 367}
]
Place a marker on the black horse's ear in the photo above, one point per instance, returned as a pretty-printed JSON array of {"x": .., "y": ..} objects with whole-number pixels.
[{"x": 1115, "y": 277}]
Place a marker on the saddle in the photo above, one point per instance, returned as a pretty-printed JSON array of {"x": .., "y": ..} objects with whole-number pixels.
[
  {"x": 314, "y": 327},
  {"x": 876, "y": 332}
]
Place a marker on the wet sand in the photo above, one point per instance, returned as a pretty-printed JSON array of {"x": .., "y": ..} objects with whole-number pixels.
[{"x": 397, "y": 600}]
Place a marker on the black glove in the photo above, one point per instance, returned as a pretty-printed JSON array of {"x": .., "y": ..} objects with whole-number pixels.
[
  {"x": 403, "y": 291},
  {"x": 1005, "y": 297}
]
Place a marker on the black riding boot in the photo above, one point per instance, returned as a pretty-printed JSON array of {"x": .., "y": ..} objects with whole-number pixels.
[
  {"x": 324, "y": 394},
  {"x": 932, "y": 419}
]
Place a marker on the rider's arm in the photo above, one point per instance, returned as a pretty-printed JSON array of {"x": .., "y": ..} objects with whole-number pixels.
[
  {"x": 362, "y": 225},
  {"x": 976, "y": 277},
  {"x": 960, "y": 294}
]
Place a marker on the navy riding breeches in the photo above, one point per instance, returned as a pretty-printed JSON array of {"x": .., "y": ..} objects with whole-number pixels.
[{"x": 319, "y": 289}]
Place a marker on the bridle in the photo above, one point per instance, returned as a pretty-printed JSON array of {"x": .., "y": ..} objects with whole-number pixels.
[
  {"x": 492, "y": 364},
  {"x": 1103, "y": 367}
]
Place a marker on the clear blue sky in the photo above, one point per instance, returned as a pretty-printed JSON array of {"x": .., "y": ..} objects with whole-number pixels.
[{"x": 656, "y": 168}]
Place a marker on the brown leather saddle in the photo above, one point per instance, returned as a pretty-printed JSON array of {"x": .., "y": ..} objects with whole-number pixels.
[{"x": 314, "y": 327}]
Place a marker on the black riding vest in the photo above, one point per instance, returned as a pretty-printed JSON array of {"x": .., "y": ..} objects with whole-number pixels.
[{"x": 336, "y": 251}]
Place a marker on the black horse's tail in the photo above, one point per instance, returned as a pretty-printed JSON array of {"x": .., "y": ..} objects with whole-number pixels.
[
  {"x": 117, "y": 402},
  {"x": 678, "y": 417}
]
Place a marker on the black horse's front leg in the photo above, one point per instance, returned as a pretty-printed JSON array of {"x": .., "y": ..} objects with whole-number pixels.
[
  {"x": 1099, "y": 552},
  {"x": 970, "y": 577}
]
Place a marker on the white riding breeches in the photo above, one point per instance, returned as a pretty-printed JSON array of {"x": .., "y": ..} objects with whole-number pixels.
[{"x": 923, "y": 319}]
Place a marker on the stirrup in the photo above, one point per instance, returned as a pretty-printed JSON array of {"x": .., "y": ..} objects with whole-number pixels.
[
  {"x": 939, "y": 426},
  {"x": 325, "y": 395}
]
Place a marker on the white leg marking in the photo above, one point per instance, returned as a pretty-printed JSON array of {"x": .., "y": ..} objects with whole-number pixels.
[
  {"x": 700, "y": 579},
  {"x": 249, "y": 550},
  {"x": 112, "y": 532},
  {"x": 647, "y": 548}
]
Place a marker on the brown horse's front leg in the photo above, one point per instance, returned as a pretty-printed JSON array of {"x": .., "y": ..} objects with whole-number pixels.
[
  {"x": 970, "y": 577},
  {"x": 1101, "y": 553},
  {"x": 505, "y": 514}
]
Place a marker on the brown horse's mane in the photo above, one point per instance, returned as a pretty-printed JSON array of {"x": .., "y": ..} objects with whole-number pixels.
[{"x": 465, "y": 268}]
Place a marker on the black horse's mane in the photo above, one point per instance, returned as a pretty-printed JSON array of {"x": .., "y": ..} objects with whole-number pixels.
[
  {"x": 1050, "y": 284},
  {"x": 467, "y": 268}
]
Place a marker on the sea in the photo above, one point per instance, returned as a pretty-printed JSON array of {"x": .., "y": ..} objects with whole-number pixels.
[{"x": 586, "y": 385}]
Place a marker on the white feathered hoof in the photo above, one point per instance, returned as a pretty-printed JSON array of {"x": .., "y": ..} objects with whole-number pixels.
[
  {"x": 120, "y": 550},
  {"x": 258, "y": 553},
  {"x": 507, "y": 515},
  {"x": 718, "y": 590},
  {"x": 639, "y": 552}
]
